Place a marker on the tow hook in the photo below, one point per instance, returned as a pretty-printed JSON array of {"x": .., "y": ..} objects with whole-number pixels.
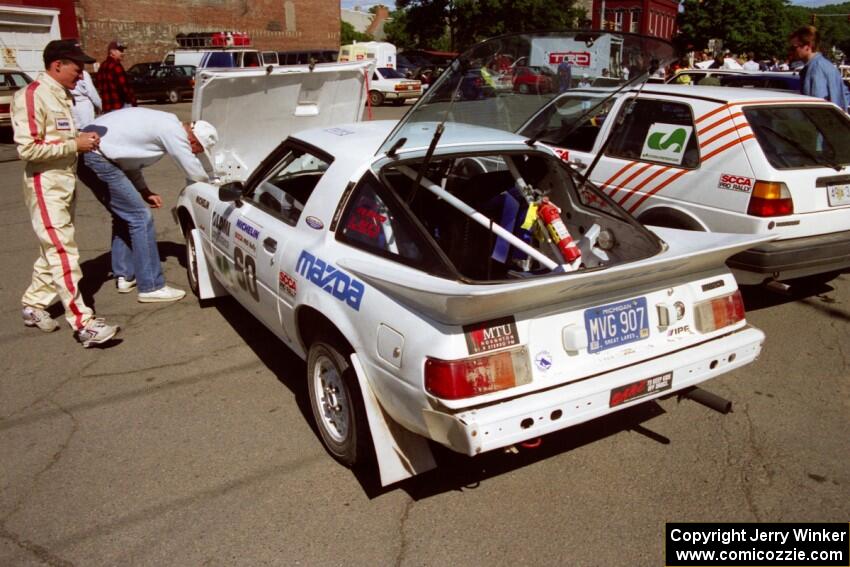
[{"x": 707, "y": 399}]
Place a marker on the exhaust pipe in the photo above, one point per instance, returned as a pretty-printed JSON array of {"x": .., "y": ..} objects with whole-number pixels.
[
  {"x": 708, "y": 399},
  {"x": 778, "y": 287}
]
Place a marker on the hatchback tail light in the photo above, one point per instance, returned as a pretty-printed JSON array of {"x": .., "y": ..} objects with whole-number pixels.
[
  {"x": 770, "y": 199},
  {"x": 4, "y": 108},
  {"x": 468, "y": 377},
  {"x": 719, "y": 312}
]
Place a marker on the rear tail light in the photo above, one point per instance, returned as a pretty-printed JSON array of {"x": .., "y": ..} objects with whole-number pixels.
[
  {"x": 468, "y": 377},
  {"x": 719, "y": 312},
  {"x": 5, "y": 107},
  {"x": 770, "y": 199}
]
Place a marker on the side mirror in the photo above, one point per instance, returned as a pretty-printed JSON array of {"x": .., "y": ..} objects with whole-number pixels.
[{"x": 231, "y": 192}]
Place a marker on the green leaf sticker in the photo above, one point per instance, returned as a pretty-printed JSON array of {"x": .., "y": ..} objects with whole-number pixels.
[{"x": 666, "y": 143}]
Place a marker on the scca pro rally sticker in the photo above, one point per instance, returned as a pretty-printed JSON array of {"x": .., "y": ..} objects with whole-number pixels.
[
  {"x": 287, "y": 284},
  {"x": 736, "y": 183},
  {"x": 491, "y": 335}
]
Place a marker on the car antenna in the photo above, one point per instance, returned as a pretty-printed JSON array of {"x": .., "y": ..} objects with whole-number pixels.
[{"x": 438, "y": 131}]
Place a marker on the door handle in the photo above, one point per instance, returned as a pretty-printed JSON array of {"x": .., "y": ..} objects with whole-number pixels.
[
  {"x": 270, "y": 244},
  {"x": 578, "y": 164}
]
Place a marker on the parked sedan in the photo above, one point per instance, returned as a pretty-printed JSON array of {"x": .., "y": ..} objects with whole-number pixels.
[
  {"x": 749, "y": 161},
  {"x": 10, "y": 81},
  {"x": 436, "y": 300},
  {"x": 171, "y": 83},
  {"x": 534, "y": 80}
]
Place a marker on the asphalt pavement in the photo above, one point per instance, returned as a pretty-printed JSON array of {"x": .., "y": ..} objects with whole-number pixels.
[{"x": 189, "y": 442}]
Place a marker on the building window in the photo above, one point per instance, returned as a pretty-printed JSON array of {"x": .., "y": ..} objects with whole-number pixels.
[
  {"x": 618, "y": 20},
  {"x": 634, "y": 25},
  {"x": 289, "y": 16}
]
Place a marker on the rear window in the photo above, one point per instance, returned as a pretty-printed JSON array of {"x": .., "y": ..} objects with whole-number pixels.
[
  {"x": 12, "y": 81},
  {"x": 656, "y": 131},
  {"x": 793, "y": 138},
  {"x": 389, "y": 73}
]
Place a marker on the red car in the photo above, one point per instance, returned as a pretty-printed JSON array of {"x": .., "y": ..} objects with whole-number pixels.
[{"x": 534, "y": 80}]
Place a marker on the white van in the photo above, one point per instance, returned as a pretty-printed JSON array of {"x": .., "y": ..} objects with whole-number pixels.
[
  {"x": 221, "y": 58},
  {"x": 382, "y": 52}
]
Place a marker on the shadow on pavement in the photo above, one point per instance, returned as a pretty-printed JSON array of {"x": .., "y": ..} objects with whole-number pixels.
[{"x": 759, "y": 297}]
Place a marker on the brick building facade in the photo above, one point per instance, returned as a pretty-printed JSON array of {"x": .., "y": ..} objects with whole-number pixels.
[
  {"x": 647, "y": 17},
  {"x": 150, "y": 26}
]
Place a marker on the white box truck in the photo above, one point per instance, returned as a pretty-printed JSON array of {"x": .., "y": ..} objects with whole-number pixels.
[{"x": 588, "y": 56}]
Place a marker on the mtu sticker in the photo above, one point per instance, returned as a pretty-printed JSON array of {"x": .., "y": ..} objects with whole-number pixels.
[
  {"x": 331, "y": 279},
  {"x": 491, "y": 335}
]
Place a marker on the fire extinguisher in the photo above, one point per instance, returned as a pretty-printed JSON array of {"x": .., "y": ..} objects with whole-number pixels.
[{"x": 551, "y": 216}]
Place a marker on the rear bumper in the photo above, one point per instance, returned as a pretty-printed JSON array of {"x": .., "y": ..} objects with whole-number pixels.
[
  {"x": 796, "y": 257},
  {"x": 506, "y": 423},
  {"x": 390, "y": 95}
]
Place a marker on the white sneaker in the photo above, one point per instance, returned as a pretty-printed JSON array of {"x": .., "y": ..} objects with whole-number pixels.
[
  {"x": 39, "y": 318},
  {"x": 124, "y": 285},
  {"x": 162, "y": 295},
  {"x": 96, "y": 332}
]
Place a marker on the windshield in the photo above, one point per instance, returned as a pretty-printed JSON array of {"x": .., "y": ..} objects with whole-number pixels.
[
  {"x": 801, "y": 137},
  {"x": 485, "y": 87}
]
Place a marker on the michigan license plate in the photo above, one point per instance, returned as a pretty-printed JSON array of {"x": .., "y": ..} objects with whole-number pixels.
[
  {"x": 616, "y": 324},
  {"x": 838, "y": 194}
]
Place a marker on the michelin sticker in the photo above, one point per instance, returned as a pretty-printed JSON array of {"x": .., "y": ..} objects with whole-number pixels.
[
  {"x": 246, "y": 236},
  {"x": 666, "y": 143}
]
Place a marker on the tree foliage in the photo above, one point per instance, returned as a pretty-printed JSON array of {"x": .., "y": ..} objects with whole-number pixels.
[
  {"x": 457, "y": 24},
  {"x": 760, "y": 26},
  {"x": 347, "y": 34}
]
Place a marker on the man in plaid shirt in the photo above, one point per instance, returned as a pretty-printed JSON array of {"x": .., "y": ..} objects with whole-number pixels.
[{"x": 111, "y": 80}]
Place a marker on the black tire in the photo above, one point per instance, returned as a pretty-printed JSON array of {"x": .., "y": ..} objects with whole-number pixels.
[
  {"x": 398, "y": 102},
  {"x": 376, "y": 98},
  {"x": 173, "y": 96},
  {"x": 337, "y": 403},
  {"x": 191, "y": 260}
]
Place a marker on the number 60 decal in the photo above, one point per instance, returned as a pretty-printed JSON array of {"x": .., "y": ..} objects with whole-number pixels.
[{"x": 246, "y": 272}]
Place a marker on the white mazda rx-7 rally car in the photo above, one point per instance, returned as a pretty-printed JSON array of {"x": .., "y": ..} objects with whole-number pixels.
[{"x": 445, "y": 280}]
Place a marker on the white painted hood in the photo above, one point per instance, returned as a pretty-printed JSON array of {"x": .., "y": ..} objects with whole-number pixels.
[{"x": 255, "y": 109}]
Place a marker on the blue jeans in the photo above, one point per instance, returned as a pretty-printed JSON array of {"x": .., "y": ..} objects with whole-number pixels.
[{"x": 134, "y": 252}]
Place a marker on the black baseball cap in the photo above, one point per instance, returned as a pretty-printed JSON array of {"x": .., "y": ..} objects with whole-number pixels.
[{"x": 65, "y": 49}]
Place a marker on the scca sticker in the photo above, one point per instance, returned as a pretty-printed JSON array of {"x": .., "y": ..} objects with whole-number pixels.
[
  {"x": 491, "y": 335},
  {"x": 331, "y": 279},
  {"x": 666, "y": 143},
  {"x": 736, "y": 183},
  {"x": 287, "y": 283}
]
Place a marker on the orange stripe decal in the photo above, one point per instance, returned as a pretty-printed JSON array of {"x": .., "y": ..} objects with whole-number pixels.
[
  {"x": 719, "y": 122},
  {"x": 658, "y": 188},
  {"x": 622, "y": 170},
  {"x": 642, "y": 185},
  {"x": 629, "y": 179},
  {"x": 723, "y": 133}
]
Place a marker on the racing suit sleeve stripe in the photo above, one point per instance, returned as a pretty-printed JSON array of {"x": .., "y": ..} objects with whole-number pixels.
[
  {"x": 60, "y": 249},
  {"x": 31, "y": 111}
]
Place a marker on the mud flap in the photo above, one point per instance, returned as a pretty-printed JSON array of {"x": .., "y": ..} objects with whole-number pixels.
[
  {"x": 400, "y": 453},
  {"x": 208, "y": 286}
]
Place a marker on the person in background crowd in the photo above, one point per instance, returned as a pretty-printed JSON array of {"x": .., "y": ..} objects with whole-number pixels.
[
  {"x": 584, "y": 82},
  {"x": 565, "y": 75},
  {"x": 819, "y": 78},
  {"x": 751, "y": 64},
  {"x": 87, "y": 102},
  {"x": 131, "y": 139},
  {"x": 111, "y": 80},
  {"x": 48, "y": 143}
]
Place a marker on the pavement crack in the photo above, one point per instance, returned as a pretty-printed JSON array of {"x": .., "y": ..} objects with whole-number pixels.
[
  {"x": 402, "y": 524},
  {"x": 42, "y": 553}
]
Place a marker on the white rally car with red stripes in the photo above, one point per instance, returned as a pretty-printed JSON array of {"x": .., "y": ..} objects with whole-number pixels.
[
  {"x": 721, "y": 160},
  {"x": 445, "y": 281}
]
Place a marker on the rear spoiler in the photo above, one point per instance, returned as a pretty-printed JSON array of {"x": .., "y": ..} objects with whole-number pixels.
[{"x": 453, "y": 303}]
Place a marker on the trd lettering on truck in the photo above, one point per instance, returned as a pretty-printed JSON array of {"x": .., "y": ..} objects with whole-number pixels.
[{"x": 331, "y": 279}]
